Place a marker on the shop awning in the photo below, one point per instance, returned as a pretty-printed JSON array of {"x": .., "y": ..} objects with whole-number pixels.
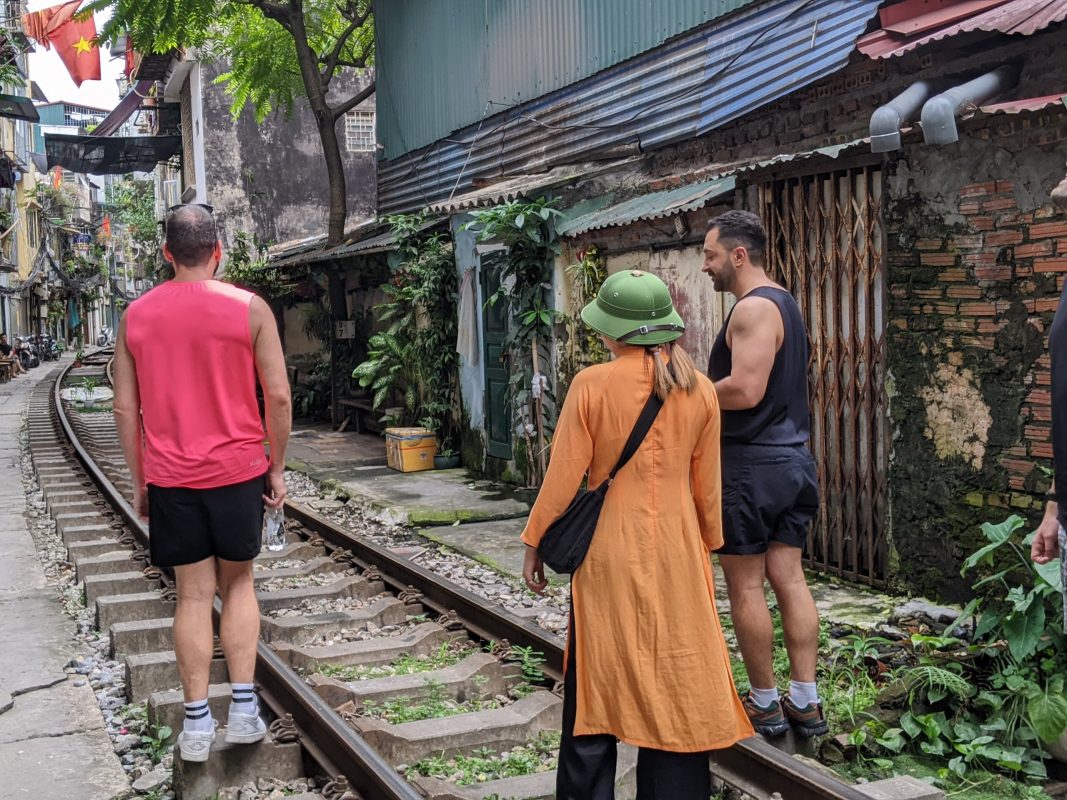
[
  {"x": 650, "y": 206},
  {"x": 17, "y": 107},
  {"x": 109, "y": 155}
]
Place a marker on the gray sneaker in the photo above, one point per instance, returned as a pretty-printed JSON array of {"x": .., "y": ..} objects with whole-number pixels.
[
  {"x": 245, "y": 728},
  {"x": 195, "y": 745}
]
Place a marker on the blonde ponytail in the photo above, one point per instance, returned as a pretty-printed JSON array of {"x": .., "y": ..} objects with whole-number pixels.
[{"x": 679, "y": 374}]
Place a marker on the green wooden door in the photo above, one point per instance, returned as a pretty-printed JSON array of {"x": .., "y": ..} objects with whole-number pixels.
[{"x": 494, "y": 329}]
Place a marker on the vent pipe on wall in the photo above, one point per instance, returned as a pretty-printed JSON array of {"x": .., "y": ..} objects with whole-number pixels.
[
  {"x": 939, "y": 113},
  {"x": 887, "y": 120}
]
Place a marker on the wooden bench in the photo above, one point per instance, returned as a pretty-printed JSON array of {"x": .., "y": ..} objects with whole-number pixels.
[
  {"x": 359, "y": 406},
  {"x": 7, "y": 369}
]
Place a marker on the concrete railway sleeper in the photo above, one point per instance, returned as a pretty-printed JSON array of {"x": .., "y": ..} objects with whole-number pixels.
[{"x": 374, "y": 669}]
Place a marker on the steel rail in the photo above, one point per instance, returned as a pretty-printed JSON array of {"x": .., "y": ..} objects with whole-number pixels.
[
  {"x": 326, "y": 737},
  {"x": 753, "y": 765}
]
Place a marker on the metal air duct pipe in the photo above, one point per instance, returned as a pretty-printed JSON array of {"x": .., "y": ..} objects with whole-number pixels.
[
  {"x": 939, "y": 113},
  {"x": 887, "y": 120}
]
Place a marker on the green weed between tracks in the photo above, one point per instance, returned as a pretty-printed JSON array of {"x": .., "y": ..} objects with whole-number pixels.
[
  {"x": 446, "y": 655},
  {"x": 537, "y": 755}
]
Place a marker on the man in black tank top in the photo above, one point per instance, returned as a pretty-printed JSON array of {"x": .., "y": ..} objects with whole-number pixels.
[{"x": 759, "y": 363}]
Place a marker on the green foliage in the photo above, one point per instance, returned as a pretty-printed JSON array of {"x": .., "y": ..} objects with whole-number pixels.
[
  {"x": 446, "y": 655},
  {"x": 155, "y": 742},
  {"x": 10, "y": 75},
  {"x": 537, "y": 755},
  {"x": 985, "y": 706},
  {"x": 259, "y": 49},
  {"x": 88, "y": 387},
  {"x": 530, "y": 661},
  {"x": 132, "y": 205},
  {"x": 414, "y": 359},
  {"x": 435, "y": 704},
  {"x": 525, "y": 227},
  {"x": 248, "y": 267}
]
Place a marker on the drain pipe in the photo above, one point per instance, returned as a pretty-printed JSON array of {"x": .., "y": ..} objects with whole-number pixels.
[
  {"x": 939, "y": 113},
  {"x": 887, "y": 120}
]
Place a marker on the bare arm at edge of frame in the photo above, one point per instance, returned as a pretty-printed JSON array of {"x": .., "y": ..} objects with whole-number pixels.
[
  {"x": 127, "y": 408},
  {"x": 270, "y": 367},
  {"x": 1046, "y": 544},
  {"x": 754, "y": 336}
]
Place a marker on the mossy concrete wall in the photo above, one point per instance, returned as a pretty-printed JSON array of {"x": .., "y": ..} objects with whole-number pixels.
[{"x": 976, "y": 260}]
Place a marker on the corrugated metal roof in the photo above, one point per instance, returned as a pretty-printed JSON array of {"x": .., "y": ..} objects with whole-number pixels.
[
  {"x": 525, "y": 185},
  {"x": 1026, "y": 104},
  {"x": 684, "y": 88},
  {"x": 1023, "y": 17},
  {"x": 649, "y": 206},
  {"x": 368, "y": 239},
  {"x": 445, "y": 65}
]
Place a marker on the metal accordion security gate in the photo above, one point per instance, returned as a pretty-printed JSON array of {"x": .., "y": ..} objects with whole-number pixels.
[{"x": 826, "y": 244}]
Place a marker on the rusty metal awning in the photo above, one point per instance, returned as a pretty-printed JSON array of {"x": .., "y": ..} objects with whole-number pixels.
[
  {"x": 650, "y": 206},
  {"x": 517, "y": 186},
  {"x": 914, "y": 23},
  {"x": 1026, "y": 104}
]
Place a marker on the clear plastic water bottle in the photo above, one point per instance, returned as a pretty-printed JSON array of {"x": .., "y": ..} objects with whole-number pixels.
[{"x": 273, "y": 529}]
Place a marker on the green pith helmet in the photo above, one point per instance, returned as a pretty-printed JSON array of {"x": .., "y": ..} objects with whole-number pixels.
[{"x": 634, "y": 307}]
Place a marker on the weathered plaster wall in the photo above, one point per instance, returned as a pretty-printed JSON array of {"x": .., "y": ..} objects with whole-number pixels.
[
  {"x": 471, "y": 375},
  {"x": 271, "y": 178},
  {"x": 976, "y": 261}
]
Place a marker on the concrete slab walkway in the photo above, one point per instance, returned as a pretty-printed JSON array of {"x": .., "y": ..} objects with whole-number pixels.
[
  {"x": 53, "y": 743},
  {"x": 483, "y": 520},
  {"x": 355, "y": 464}
]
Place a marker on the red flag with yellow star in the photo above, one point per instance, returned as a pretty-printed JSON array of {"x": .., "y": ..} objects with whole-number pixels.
[{"x": 73, "y": 39}]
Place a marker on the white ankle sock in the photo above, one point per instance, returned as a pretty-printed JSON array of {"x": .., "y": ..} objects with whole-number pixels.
[
  {"x": 244, "y": 699},
  {"x": 764, "y": 697},
  {"x": 803, "y": 694},
  {"x": 198, "y": 717}
]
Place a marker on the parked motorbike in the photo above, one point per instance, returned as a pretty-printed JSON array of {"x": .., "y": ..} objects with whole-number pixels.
[
  {"x": 27, "y": 353},
  {"x": 104, "y": 338}
]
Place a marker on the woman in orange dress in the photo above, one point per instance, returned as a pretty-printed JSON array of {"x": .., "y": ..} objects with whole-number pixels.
[{"x": 646, "y": 660}]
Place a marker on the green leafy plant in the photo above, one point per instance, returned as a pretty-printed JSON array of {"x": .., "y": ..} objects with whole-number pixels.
[
  {"x": 155, "y": 742},
  {"x": 446, "y": 655},
  {"x": 536, "y": 755},
  {"x": 435, "y": 704},
  {"x": 525, "y": 282},
  {"x": 88, "y": 387},
  {"x": 985, "y": 705},
  {"x": 247, "y": 266},
  {"x": 413, "y": 361},
  {"x": 583, "y": 346}
]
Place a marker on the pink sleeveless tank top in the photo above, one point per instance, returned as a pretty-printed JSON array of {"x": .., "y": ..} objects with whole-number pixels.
[{"x": 192, "y": 345}]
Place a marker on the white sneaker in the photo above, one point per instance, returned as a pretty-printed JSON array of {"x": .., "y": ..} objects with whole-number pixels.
[
  {"x": 195, "y": 745},
  {"x": 245, "y": 728}
]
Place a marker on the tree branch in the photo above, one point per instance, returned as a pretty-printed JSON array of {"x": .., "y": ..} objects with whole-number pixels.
[
  {"x": 352, "y": 102},
  {"x": 279, "y": 12},
  {"x": 334, "y": 58}
]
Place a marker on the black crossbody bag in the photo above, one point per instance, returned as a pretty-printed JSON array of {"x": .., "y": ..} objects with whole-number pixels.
[{"x": 565, "y": 543}]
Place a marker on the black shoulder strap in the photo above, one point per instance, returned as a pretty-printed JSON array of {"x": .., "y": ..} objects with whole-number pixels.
[{"x": 637, "y": 435}]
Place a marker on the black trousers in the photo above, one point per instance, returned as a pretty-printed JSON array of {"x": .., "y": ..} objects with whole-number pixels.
[{"x": 587, "y": 763}]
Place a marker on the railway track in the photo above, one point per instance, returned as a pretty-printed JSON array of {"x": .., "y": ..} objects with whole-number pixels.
[{"x": 376, "y": 671}]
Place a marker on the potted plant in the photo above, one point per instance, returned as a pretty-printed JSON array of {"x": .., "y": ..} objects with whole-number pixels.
[
  {"x": 446, "y": 459},
  {"x": 79, "y": 355},
  {"x": 88, "y": 387}
]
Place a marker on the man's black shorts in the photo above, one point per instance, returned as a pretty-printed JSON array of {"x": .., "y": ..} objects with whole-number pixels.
[
  {"x": 769, "y": 494},
  {"x": 189, "y": 525}
]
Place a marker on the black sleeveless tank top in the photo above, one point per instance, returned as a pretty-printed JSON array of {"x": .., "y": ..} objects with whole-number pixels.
[{"x": 782, "y": 417}]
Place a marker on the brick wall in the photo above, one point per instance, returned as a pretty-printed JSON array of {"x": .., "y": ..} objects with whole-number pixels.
[{"x": 976, "y": 260}]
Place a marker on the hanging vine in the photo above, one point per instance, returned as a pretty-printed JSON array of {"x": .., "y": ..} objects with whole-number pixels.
[
  {"x": 525, "y": 228},
  {"x": 583, "y": 346}
]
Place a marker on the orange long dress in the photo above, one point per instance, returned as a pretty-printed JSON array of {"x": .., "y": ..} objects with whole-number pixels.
[{"x": 653, "y": 669}]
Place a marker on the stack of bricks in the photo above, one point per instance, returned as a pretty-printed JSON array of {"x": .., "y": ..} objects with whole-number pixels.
[{"x": 1004, "y": 260}]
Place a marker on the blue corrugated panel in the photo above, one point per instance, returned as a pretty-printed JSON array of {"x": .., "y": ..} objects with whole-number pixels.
[
  {"x": 684, "y": 88},
  {"x": 444, "y": 64}
]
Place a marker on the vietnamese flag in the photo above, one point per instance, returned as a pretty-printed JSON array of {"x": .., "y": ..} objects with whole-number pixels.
[{"x": 73, "y": 39}]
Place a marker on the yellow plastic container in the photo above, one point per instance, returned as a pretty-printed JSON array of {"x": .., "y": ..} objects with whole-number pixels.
[{"x": 410, "y": 449}]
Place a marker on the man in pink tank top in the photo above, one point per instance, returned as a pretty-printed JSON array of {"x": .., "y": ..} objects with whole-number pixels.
[{"x": 187, "y": 359}]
